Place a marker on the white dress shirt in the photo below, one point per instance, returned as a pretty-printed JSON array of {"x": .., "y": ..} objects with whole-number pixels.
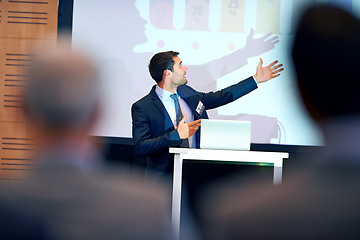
[{"x": 169, "y": 105}]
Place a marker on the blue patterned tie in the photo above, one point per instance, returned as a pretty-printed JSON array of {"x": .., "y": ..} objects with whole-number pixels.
[{"x": 179, "y": 116}]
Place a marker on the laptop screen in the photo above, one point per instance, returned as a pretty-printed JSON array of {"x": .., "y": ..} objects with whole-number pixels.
[{"x": 225, "y": 134}]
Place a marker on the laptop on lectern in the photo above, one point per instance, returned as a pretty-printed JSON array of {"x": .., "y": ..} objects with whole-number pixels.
[{"x": 225, "y": 134}]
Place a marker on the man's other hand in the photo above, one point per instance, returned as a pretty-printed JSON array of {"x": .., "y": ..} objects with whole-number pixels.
[{"x": 186, "y": 130}]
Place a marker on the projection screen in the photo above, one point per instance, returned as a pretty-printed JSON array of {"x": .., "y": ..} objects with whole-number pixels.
[{"x": 220, "y": 42}]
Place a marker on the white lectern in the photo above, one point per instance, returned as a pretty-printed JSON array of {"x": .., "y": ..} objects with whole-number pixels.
[{"x": 181, "y": 154}]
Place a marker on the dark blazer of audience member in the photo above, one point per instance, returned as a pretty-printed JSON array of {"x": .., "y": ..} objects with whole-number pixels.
[
  {"x": 69, "y": 195},
  {"x": 321, "y": 199}
]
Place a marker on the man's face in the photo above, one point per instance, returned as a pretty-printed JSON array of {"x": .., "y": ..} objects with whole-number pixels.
[{"x": 178, "y": 73}]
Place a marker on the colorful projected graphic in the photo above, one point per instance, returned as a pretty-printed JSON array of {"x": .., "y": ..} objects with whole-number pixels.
[
  {"x": 161, "y": 14},
  {"x": 232, "y": 15},
  {"x": 220, "y": 42},
  {"x": 268, "y": 15},
  {"x": 197, "y": 15}
]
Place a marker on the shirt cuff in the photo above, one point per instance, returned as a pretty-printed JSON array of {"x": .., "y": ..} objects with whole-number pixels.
[{"x": 255, "y": 80}]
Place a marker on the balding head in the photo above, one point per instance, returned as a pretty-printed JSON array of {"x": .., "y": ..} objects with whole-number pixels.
[
  {"x": 62, "y": 92},
  {"x": 326, "y": 58}
]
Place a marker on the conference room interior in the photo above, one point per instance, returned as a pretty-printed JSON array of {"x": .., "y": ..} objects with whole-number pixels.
[
  {"x": 197, "y": 175},
  {"x": 120, "y": 150}
]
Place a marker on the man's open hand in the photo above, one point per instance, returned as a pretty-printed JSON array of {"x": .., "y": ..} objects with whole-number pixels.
[
  {"x": 186, "y": 130},
  {"x": 271, "y": 71}
]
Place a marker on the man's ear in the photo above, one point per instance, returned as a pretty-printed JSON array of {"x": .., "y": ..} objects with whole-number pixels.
[{"x": 166, "y": 72}]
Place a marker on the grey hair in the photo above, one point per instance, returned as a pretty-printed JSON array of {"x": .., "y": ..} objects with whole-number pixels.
[{"x": 62, "y": 91}]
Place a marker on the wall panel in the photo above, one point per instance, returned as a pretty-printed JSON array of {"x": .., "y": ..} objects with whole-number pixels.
[{"x": 26, "y": 26}]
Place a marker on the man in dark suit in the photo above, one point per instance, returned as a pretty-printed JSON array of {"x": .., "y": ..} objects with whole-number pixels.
[
  {"x": 156, "y": 122},
  {"x": 321, "y": 199},
  {"x": 70, "y": 195}
]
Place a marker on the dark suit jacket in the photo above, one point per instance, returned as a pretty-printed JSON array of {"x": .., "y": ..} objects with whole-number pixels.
[
  {"x": 65, "y": 201},
  {"x": 153, "y": 131},
  {"x": 315, "y": 202}
]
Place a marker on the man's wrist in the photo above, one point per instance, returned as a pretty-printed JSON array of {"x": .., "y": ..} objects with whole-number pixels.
[{"x": 255, "y": 79}]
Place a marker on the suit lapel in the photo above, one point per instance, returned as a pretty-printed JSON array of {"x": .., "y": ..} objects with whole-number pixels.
[
  {"x": 193, "y": 102},
  {"x": 160, "y": 106}
]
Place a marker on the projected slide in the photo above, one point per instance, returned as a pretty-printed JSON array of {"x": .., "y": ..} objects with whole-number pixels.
[{"x": 220, "y": 41}]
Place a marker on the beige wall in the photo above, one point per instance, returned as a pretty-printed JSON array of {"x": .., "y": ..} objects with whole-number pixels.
[{"x": 24, "y": 26}]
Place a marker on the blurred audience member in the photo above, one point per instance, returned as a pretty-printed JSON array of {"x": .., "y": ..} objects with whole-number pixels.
[
  {"x": 69, "y": 195},
  {"x": 321, "y": 200}
]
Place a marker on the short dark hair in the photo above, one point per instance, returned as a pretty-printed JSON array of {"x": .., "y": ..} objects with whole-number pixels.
[
  {"x": 160, "y": 62},
  {"x": 326, "y": 54}
]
